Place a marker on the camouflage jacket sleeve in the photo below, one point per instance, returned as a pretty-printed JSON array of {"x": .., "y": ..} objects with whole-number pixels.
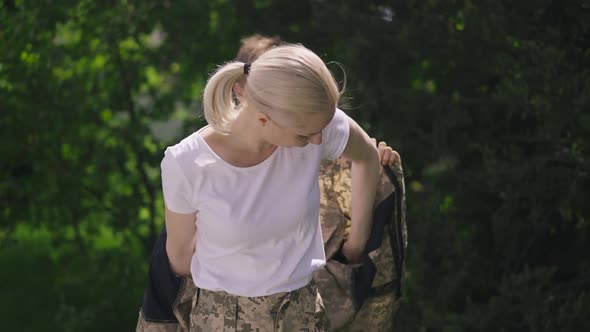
[{"x": 364, "y": 297}]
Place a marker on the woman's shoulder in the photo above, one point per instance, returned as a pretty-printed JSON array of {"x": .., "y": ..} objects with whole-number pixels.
[
  {"x": 187, "y": 146},
  {"x": 189, "y": 151}
]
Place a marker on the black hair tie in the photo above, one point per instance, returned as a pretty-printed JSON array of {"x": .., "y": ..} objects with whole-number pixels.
[{"x": 247, "y": 68}]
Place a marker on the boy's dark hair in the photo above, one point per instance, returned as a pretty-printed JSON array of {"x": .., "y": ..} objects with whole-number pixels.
[{"x": 255, "y": 45}]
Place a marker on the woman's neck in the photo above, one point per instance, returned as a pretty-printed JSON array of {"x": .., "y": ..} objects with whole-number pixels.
[
  {"x": 243, "y": 146},
  {"x": 245, "y": 135}
]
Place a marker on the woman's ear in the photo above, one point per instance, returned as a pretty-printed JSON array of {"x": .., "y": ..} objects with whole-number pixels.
[{"x": 238, "y": 90}]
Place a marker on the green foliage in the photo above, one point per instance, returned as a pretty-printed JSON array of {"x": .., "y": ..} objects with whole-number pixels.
[
  {"x": 45, "y": 288},
  {"x": 486, "y": 101}
]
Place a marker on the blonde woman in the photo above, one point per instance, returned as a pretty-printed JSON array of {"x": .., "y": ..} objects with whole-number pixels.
[{"x": 242, "y": 196}]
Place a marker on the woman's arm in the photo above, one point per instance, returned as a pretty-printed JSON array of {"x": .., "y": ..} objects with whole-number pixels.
[
  {"x": 365, "y": 174},
  {"x": 180, "y": 244}
]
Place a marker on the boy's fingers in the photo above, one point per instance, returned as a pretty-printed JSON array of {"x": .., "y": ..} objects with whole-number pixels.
[
  {"x": 395, "y": 159},
  {"x": 388, "y": 156},
  {"x": 385, "y": 156}
]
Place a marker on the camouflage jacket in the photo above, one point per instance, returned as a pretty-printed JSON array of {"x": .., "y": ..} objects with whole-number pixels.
[{"x": 362, "y": 297}]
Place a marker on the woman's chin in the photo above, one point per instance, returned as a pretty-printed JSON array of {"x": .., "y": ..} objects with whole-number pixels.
[{"x": 293, "y": 145}]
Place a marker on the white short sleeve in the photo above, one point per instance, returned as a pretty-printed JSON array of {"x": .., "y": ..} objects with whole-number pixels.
[
  {"x": 335, "y": 136},
  {"x": 175, "y": 186}
]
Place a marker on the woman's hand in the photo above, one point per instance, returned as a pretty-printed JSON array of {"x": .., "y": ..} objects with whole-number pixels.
[{"x": 354, "y": 255}]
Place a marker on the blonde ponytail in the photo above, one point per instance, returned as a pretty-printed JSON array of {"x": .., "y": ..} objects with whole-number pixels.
[{"x": 218, "y": 105}]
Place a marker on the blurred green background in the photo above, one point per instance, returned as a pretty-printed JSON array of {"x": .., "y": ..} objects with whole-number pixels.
[{"x": 488, "y": 102}]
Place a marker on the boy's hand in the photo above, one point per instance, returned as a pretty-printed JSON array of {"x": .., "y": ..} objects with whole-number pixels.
[{"x": 387, "y": 155}]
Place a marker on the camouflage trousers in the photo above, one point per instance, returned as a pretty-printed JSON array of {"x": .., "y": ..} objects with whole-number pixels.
[{"x": 299, "y": 310}]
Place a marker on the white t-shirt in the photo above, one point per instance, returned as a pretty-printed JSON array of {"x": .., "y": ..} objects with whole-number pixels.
[{"x": 258, "y": 228}]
